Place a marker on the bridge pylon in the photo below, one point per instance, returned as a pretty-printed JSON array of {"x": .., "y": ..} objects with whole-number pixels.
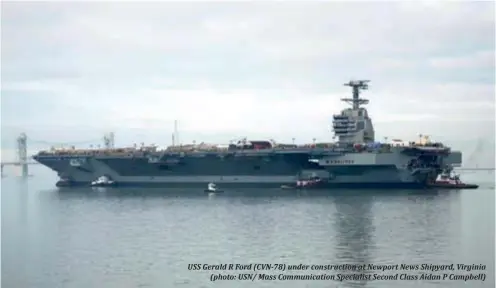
[{"x": 22, "y": 153}]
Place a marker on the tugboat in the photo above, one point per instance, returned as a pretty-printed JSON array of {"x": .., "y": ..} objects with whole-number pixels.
[
  {"x": 212, "y": 188},
  {"x": 64, "y": 183},
  {"x": 449, "y": 180},
  {"x": 102, "y": 181},
  {"x": 312, "y": 182}
]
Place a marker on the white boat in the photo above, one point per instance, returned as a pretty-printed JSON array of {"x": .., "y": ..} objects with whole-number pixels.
[
  {"x": 102, "y": 181},
  {"x": 212, "y": 188}
]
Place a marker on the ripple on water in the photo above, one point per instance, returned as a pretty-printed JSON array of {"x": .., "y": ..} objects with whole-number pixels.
[{"x": 147, "y": 239}]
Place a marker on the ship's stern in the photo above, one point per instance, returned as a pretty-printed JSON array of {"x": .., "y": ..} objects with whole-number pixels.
[{"x": 454, "y": 159}]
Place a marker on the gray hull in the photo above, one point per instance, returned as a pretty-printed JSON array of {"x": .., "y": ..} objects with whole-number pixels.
[{"x": 368, "y": 170}]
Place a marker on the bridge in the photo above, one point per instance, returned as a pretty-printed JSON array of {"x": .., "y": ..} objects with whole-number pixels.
[
  {"x": 108, "y": 140},
  {"x": 23, "y": 160},
  {"x": 19, "y": 163},
  {"x": 475, "y": 169}
]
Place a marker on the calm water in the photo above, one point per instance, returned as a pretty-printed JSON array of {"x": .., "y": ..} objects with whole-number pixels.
[{"x": 146, "y": 238}]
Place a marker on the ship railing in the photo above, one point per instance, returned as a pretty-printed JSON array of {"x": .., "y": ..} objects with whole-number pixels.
[
  {"x": 195, "y": 149},
  {"x": 382, "y": 148},
  {"x": 90, "y": 152}
]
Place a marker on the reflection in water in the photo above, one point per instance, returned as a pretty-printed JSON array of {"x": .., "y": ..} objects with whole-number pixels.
[
  {"x": 15, "y": 209},
  {"x": 23, "y": 201},
  {"x": 411, "y": 224},
  {"x": 65, "y": 192},
  {"x": 147, "y": 237},
  {"x": 353, "y": 222}
]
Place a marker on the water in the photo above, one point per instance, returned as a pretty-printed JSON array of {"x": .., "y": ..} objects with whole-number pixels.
[{"x": 146, "y": 238}]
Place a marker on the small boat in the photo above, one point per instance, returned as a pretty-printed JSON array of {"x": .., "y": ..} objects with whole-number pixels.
[
  {"x": 63, "y": 183},
  {"x": 102, "y": 181},
  {"x": 212, "y": 188},
  {"x": 313, "y": 182},
  {"x": 449, "y": 180}
]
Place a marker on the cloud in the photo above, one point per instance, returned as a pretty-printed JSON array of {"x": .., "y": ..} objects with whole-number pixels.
[
  {"x": 72, "y": 71},
  {"x": 480, "y": 59}
]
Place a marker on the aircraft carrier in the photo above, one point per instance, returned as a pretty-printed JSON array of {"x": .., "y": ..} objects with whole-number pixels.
[{"x": 354, "y": 160}]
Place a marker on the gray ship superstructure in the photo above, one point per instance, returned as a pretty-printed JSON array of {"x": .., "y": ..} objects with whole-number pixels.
[{"x": 355, "y": 160}]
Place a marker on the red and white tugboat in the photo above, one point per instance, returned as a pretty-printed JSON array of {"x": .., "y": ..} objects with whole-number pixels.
[{"x": 450, "y": 180}]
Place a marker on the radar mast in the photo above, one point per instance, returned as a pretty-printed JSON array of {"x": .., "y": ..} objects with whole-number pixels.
[{"x": 357, "y": 85}]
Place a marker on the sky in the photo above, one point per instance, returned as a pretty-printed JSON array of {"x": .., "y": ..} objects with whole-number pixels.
[{"x": 71, "y": 72}]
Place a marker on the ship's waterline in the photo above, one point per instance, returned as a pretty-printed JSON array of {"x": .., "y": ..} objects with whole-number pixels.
[{"x": 255, "y": 184}]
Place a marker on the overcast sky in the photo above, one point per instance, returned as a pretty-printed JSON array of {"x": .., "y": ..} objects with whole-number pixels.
[{"x": 71, "y": 72}]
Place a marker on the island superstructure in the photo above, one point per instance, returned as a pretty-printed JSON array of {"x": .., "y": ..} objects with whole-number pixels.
[{"x": 355, "y": 160}]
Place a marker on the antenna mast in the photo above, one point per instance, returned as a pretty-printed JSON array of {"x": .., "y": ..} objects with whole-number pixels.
[
  {"x": 176, "y": 137},
  {"x": 356, "y": 101}
]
